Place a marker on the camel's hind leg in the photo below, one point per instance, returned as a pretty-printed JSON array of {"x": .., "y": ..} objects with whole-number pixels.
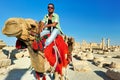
[
  {"x": 65, "y": 74},
  {"x": 56, "y": 76}
]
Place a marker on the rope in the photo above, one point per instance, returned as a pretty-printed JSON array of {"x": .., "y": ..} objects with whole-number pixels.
[
  {"x": 57, "y": 49},
  {"x": 56, "y": 59},
  {"x": 56, "y": 56}
]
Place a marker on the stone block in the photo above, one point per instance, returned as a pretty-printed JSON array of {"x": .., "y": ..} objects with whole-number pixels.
[
  {"x": 115, "y": 65},
  {"x": 5, "y": 62},
  {"x": 2, "y": 55}
]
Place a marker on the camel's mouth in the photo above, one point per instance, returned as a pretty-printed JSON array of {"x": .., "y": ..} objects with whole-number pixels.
[{"x": 12, "y": 28}]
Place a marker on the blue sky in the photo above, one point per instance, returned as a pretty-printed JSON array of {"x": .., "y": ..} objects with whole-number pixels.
[{"x": 89, "y": 20}]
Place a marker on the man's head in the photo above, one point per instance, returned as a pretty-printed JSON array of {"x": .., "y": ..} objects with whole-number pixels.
[{"x": 51, "y": 8}]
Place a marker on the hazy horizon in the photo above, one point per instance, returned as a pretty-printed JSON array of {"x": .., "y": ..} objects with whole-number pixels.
[{"x": 89, "y": 20}]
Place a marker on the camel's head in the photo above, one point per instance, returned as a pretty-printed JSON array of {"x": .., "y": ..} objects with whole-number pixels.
[{"x": 20, "y": 28}]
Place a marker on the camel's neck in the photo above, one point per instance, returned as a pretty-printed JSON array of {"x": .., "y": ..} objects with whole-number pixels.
[
  {"x": 29, "y": 46},
  {"x": 31, "y": 51}
]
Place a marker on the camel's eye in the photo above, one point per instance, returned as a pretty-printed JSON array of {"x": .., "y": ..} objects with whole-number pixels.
[{"x": 33, "y": 26}]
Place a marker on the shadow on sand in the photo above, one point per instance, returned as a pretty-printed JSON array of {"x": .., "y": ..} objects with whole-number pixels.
[
  {"x": 102, "y": 74},
  {"x": 16, "y": 74}
]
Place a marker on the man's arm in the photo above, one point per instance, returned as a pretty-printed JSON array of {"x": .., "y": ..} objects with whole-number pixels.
[
  {"x": 53, "y": 25},
  {"x": 41, "y": 26}
]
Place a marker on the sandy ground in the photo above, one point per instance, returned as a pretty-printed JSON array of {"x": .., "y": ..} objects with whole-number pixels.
[{"x": 20, "y": 71}]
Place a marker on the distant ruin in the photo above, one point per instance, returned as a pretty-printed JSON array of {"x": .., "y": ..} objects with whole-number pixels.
[{"x": 103, "y": 46}]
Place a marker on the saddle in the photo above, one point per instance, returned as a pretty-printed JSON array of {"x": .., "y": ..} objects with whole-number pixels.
[
  {"x": 50, "y": 52},
  {"x": 39, "y": 43}
]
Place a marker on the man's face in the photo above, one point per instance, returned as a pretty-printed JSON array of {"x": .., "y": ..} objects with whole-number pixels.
[{"x": 50, "y": 8}]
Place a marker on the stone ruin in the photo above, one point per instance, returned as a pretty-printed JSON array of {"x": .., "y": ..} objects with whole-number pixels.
[
  {"x": 8, "y": 54},
  {"x": 4, "y": 60},
  {"x": 85, "y": 52},
  {"x": 2, "y": 44}
]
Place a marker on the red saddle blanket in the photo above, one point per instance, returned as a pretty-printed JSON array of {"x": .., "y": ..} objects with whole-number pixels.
[{"x": 50, "y": 53}]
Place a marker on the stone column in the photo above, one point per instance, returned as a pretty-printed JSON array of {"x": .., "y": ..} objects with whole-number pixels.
[{"x": 103, "y": 43}]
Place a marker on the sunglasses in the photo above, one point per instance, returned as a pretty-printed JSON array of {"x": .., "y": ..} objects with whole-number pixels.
[{"x": 50, "y": 7}]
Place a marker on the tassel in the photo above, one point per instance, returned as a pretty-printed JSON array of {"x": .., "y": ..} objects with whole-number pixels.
[
  {"x": 41, "y": 45},
  {"x": 44, "y": 78},
  {"x": 37, "y": 76},
  {"x": 35, "y": 45}
]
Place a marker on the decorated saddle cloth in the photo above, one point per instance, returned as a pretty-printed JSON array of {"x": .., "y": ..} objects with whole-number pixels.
[
  {"x": 20, "y": 44},
  {"x": 49, "y": 51}
]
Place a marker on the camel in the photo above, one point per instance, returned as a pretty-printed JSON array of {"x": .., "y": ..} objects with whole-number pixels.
[{"x": 26, "y": 30}]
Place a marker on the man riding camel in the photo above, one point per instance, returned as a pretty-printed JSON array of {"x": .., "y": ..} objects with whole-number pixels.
[
  {"x": 50, "y": 25},
  {"x": 55, "y": 49},
  {"x": 54, "y": 45}
]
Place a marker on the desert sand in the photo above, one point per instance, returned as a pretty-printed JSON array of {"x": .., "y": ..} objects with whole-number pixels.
[{"x": 19, "y": 70}]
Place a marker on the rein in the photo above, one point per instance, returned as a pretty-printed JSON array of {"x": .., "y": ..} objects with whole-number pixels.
[{"x": 28, "y": 41}]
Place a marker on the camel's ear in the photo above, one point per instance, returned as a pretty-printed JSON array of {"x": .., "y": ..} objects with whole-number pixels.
[{"x": 31, "y": 24}]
